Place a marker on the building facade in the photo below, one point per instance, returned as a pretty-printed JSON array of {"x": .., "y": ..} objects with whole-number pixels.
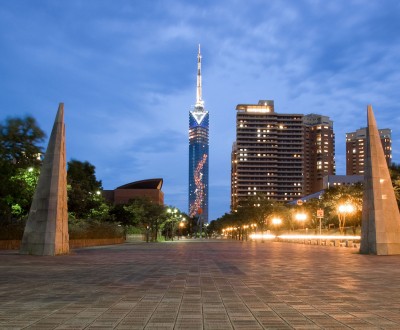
[
  {"x": 150, "y": 189},
  {"x": 198, "y": 153},
  {"x": 342, "y": 180},
  {"x": 268, "y": 154},
  {"x": 281, "y": 157},
  {"x": 355, "y": 149},
  {"x": 319, "y": 151}
]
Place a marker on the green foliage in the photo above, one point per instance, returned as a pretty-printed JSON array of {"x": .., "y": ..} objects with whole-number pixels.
[
  {"x": 340, "y": 195},
  {"x": 20, "y": 140},
  {"x": 147, "y": 217},
  {"x": 89, "y": 229},
  {"x": 395, "y": 176},
  {"x": 134, "y": 230},
  {"x": 121, "y": 214},
  {"x": 261, "y": 211},
  {"x": 84, "y": 198},
  {"x": 24, "y": 183}
]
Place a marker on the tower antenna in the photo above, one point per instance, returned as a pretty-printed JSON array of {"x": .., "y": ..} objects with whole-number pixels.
[{"x": 199, "y": 101}]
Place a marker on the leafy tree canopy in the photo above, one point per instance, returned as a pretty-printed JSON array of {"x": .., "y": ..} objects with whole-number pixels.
[
  {"x": 20, "y": 140},
  {"x": 84, "y": 190},
  {"x": 20, "y": 148}
]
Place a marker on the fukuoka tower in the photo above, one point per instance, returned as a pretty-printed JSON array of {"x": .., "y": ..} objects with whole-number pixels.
[{"x": 198, "y": 154}]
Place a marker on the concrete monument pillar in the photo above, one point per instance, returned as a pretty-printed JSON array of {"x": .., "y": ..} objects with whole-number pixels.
[
  {"x": 46, "y": 231},
  {"x": 380, "y": 230}
]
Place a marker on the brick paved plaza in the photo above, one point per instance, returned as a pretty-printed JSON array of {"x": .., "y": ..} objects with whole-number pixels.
[{"x": 201, "y": 285}]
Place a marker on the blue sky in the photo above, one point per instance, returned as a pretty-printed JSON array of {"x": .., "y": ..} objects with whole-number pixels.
[{"x": 126, "y": 72}]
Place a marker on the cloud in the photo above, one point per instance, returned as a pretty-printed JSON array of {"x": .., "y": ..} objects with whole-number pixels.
[{"x": 127, "y": 75}]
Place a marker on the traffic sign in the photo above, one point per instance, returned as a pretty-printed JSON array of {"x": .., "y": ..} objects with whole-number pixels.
[{"x": 320, "y": 213}]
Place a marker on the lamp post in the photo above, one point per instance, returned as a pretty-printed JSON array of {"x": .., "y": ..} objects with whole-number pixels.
[
  {"x": 181, "y": 225},
  {"x": 301, "y": 217},
  {"x": 343, "y": 210},
  {"x": 245, "y": 233},
  {"x": 276, "y": 222},
  {"x": 173, "y": 218}
]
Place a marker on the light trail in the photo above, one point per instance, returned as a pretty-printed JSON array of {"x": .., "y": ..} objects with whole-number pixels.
[{"x": 300, "y": 237}]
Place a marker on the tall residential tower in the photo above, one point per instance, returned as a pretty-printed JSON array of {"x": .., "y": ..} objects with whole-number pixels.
[
  {"x": 355, "y": 149},
  {"x": 279, "y": 156},
  {"x": 268, "y": 154},
  {"x": 198, "y": 153},
  {"x": 319, "y": 151}
]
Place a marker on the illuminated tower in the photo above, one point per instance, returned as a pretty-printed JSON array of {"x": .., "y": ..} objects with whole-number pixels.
[{"x": 198, "y": 154}]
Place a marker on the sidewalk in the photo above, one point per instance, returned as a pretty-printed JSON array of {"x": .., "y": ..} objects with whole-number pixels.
[{"x": 209, "y": 285}]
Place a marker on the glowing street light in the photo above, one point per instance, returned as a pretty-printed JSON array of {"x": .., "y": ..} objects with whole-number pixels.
[
  {"x": 276, "y": 221},
  {"x": 343, "y": 210},
  {"x": 174, "y": 218},
  {"x": 301, "y": 217},
  {"x": 346, "y": 208},
  {"x": 181, "y": 226}
]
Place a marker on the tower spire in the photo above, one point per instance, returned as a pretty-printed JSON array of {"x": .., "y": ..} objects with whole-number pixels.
[{"x": 199, "y": 101}]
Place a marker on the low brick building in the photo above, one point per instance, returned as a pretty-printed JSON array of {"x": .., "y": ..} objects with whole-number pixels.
[{"x": 150, "y": 188}]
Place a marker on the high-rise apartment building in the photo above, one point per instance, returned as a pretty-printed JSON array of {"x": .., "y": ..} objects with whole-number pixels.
[
  {"x": 355, "y": 149},
  {"x": 198, "y": 153},
  {"x": 268, "y": 154},
  {"x": 319, "y": 151},
  {"x": 279, "y": 156}
]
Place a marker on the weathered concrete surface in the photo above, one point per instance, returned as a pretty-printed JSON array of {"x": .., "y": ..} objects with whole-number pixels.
[
  {"x": 380, "y": 216},
  {"x": 46, "y": 231},
  {"x": 201, "y": 285}
]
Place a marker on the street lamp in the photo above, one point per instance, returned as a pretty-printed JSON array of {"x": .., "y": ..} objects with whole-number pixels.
[
  {"x": 301, "y": 217},
  {"x": 344, "y": 209},
  {"x": 276, "y": 221},
  {"x": 245, "y": 233},
  {"x": 181, "y": 225},
  {"x": 173, "y": 218}
]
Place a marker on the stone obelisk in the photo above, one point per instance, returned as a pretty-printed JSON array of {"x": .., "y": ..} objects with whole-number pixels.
[
  {"x": 380, "y": 214},
  {"x": 46, "y": 231}
]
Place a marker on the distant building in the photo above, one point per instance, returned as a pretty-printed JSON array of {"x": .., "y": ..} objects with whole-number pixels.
[
  {"x": 150, "y": 189},
  {"x": 279, "y": 156},
  {"x": 319, "y": 151},
  {"x": 355, "y": 149},
  {"x": 268, "y": 154},
  {"x": 330, "y": 181},
  {"x": 198, "y": 153}
]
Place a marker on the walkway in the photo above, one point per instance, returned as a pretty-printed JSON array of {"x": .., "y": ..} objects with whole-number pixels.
[{"x": 201, "y": 285}]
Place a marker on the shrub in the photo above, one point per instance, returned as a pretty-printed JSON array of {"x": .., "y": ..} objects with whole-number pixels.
[
  {"x": 78, "y": 229},
  {"x": 12, "y": 229},
  {"x": 87, "y": 229},
  {"x": 131, "y": 230}
]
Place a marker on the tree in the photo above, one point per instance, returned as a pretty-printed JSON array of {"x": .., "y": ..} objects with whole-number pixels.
[
  {"x": 147, "y": 214},
  {"x": 394, "y": 170},
  {"x": 84, "y": 191},
  {"x": 20, "y": 150},
  {"x": 24, "y": 182},
  {"x": 337, "y": 196},
  {"x": 20, "y": 140}
]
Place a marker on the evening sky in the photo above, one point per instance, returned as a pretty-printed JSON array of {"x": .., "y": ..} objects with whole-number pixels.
[{"x": 126, "y": 72}]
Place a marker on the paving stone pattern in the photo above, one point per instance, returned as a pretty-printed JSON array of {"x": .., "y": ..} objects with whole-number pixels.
[{"x": 201, "y": 284}]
